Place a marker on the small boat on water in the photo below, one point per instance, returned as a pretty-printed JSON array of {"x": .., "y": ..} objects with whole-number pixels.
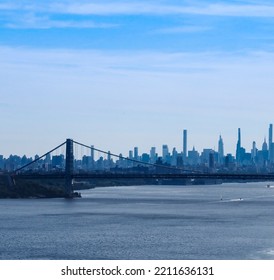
[
  {"x": 77, "y": 194},
  {"x": 74, "y": 195}
]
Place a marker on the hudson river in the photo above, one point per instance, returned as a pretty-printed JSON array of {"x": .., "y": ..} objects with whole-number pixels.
[{"x": 228, "y": 221}]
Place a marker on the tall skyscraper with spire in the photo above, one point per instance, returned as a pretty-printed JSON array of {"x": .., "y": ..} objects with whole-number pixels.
[
  {"x": 270, "y": 152},
  {"x": 221, "y": 150},
  {"x": 264, "y": 146},
  {"x": 238, "y": 148}
]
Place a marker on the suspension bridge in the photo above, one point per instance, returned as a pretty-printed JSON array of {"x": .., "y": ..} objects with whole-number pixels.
[{"x": 153, "y": 170}]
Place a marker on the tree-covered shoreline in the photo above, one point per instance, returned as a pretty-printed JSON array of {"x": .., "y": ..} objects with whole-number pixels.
[{"x": 29, "y": 189}]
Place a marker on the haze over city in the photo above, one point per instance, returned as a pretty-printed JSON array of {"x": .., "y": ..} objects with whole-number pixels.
[{"x": 119, "y": 74}]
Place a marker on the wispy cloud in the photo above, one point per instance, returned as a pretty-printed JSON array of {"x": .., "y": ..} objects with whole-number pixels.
[
  {"x": 183, "y": 29},
  {"x": 44, "y": 15},
  {"x": 31, "y": 21},
  {"x": 253, "y": 9},
  {"x": 236, "y": 10},
  {"x": 130, "y": 8},
  {"x": 131, "y": 61}
]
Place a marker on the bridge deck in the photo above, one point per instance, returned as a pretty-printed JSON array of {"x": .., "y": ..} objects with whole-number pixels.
[{"x": 102, "y": 176}]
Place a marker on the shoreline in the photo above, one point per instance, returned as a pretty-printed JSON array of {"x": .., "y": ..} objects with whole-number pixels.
[{"x": 35, "y": 189}]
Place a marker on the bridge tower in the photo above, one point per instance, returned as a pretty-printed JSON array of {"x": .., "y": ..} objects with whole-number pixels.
[{"x": 69, "y": 167}]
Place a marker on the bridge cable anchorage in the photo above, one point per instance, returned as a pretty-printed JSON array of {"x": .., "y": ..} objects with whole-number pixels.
[
  {"x": 133, "y": 160},
  {"x": 26, "y": 165}
]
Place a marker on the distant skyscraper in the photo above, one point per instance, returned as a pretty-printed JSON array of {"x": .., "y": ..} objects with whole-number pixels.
[
  {"x": 211, "y": 160},
  {"x": 270, "y": 152},
  {"x": 221, "y": 150},
  {"x": 253, "y": 151},
  {"x": 238, "y": 148},
  {"x": 264, "y": 146},
  {"x": 152, "y": 155},
  {"x": 130, "y": 154},
  {"x": 193, "y": 157},
  {"x": 92, "y": 153},
  {"x": 136, "y": 156},
  {"x": 165, "y": 153},
  {"x": 239, "y": 137},
  {"x": 174, "y": 157},
  {"x": 263, "y": 155},
  {"x": 184, "y": 144}
]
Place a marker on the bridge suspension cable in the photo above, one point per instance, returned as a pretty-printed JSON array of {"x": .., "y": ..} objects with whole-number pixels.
[
  {"x": 26, "y": 165},
  {"x": 108, "y": 154},
  {"x": 132, "y": 160}
]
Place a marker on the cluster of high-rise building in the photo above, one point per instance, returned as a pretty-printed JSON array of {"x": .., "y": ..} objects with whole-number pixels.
[
  {"x": 209, "y": 159},
  {"x": 257, "y": 159}
]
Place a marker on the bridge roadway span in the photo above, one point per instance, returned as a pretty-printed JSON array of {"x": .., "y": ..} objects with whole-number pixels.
[{"x": 102, "y": 176}]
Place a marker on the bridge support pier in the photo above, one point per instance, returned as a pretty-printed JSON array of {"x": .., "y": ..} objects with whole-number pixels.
[{"x": 69, "y": 168}]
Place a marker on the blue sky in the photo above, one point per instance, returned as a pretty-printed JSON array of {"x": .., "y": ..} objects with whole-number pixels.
[{"x": 119, "y": 74}]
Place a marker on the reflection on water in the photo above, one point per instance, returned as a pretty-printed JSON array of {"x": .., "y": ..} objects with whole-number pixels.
[{"x": 229, "y": 221}]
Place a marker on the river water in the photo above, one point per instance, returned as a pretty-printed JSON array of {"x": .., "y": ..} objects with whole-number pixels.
[{"x": 228, "y": 221}]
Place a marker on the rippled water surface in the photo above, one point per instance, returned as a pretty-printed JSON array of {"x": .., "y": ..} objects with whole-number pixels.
[{"x": 229, "y": 221}]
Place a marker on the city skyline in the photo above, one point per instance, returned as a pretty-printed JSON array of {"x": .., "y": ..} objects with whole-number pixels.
[
  {"x": 122, "y": 73},
  {"x": 207, "y": 160},
  {"x": 184, "y": 149}
]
